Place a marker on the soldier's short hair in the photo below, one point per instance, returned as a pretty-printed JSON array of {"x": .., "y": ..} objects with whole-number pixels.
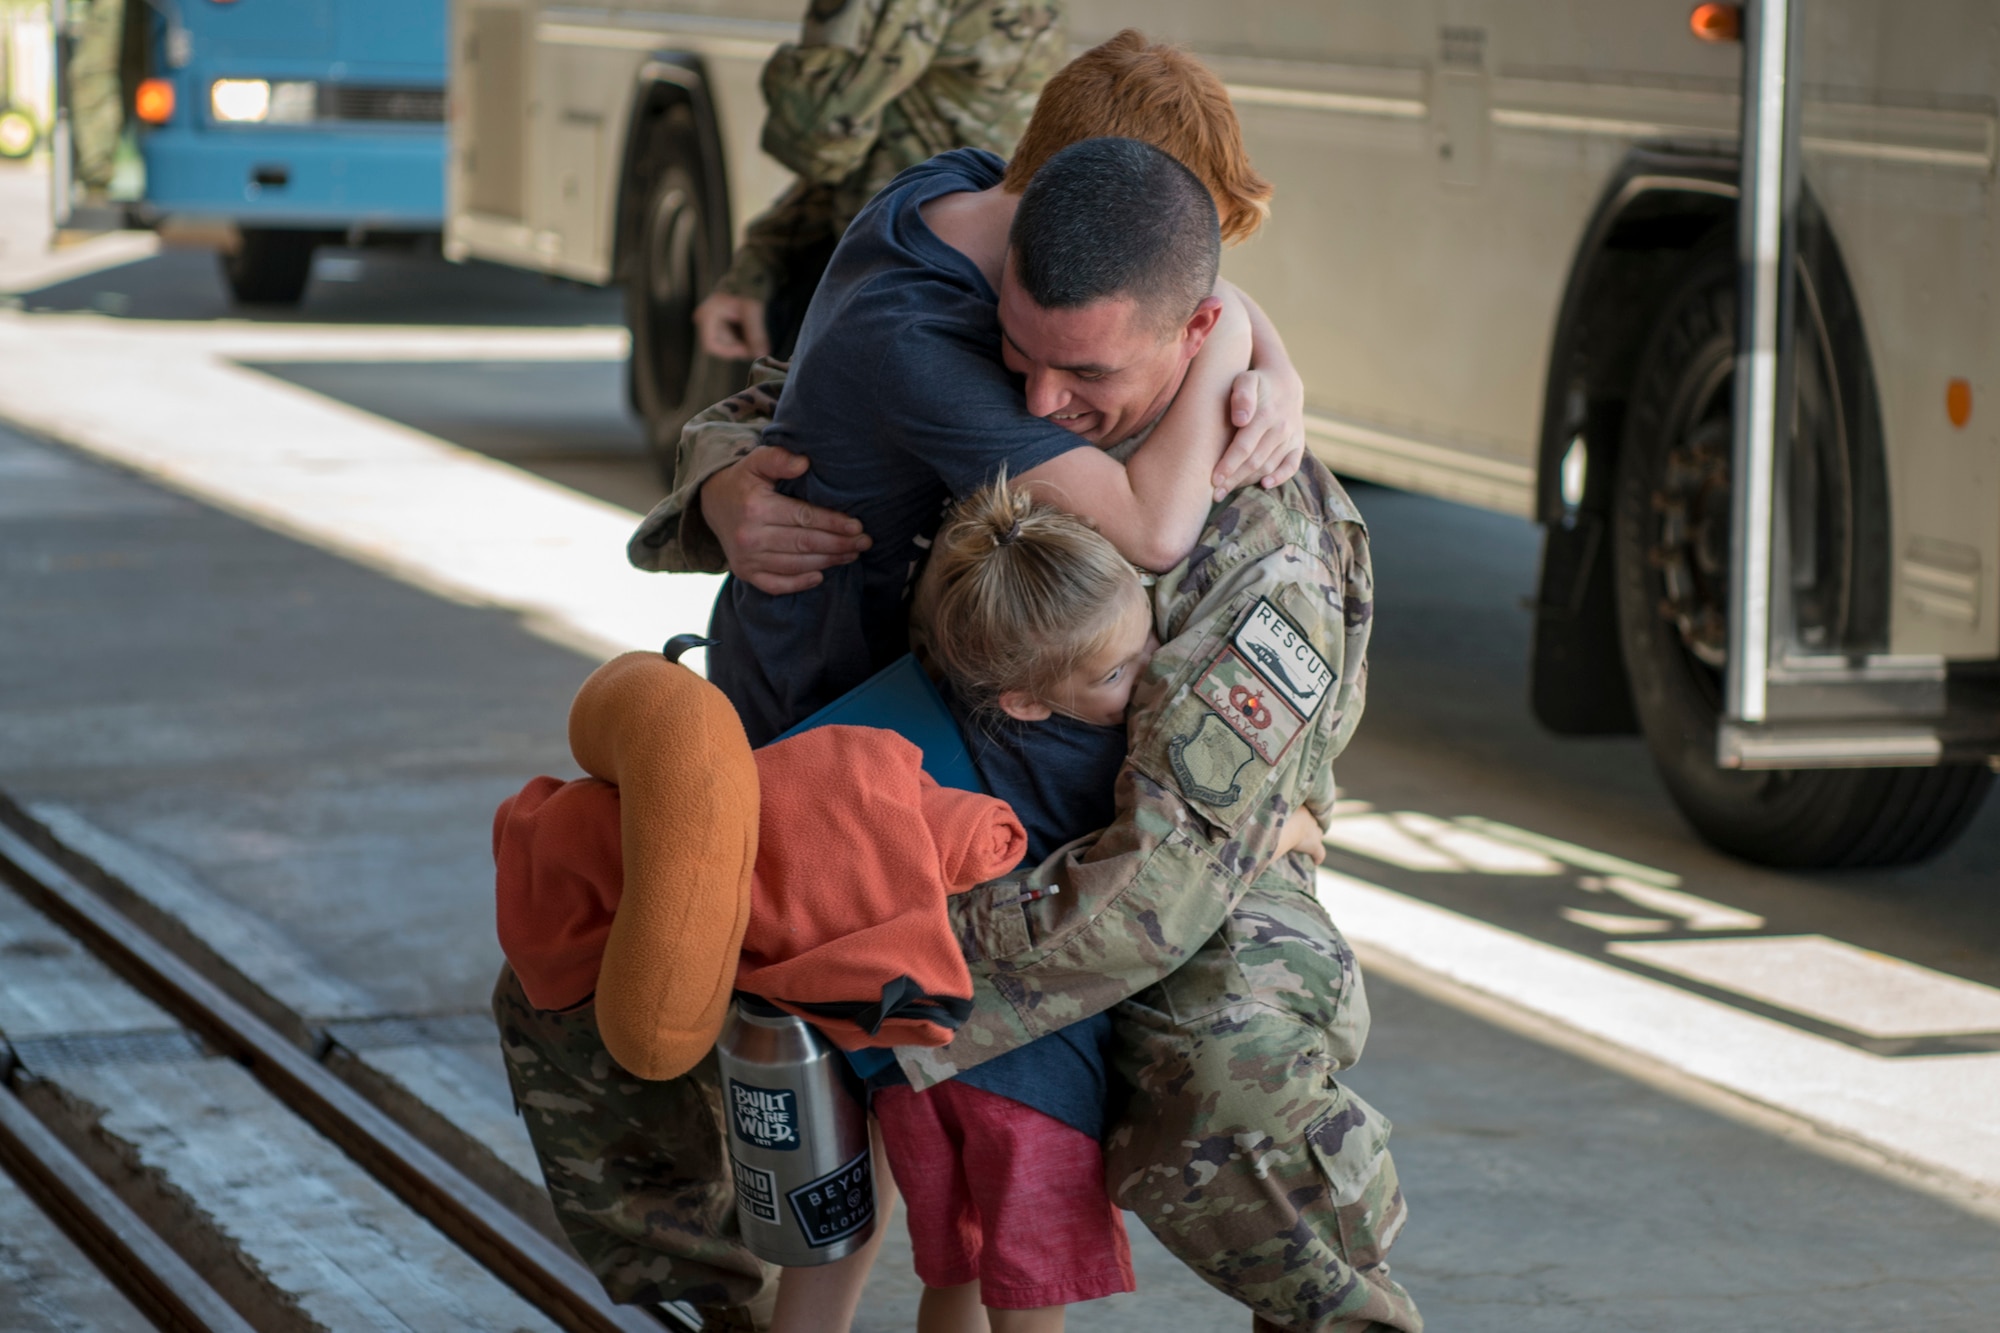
[
  {"x": 1110, "y": 218},
  {"x": 1136, "y": 89}
]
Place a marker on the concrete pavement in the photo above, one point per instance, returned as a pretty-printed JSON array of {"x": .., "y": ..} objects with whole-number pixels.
[{"x": 318, "y": 745}]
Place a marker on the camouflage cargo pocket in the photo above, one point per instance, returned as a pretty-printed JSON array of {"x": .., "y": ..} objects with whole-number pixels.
[
  {"x": 1350, "y": 1142},
  {"x": 1277, "y": 952}
]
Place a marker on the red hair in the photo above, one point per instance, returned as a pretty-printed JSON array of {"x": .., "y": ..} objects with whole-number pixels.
[{"x": 1136, "y": 89}]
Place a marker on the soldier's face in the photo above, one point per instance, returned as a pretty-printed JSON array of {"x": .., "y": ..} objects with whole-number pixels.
[{"x": 1105, "y": 370}]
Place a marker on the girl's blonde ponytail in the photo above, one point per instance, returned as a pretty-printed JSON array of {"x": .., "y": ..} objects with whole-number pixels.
[{"x": 1020, "y": 593}]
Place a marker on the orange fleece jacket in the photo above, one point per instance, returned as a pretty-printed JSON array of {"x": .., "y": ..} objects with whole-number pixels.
[
  {"x": 635, "y": 893},
  {"x": 857, "y": 851}
]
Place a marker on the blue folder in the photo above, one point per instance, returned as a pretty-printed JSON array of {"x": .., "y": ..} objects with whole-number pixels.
[{"x": 901, "y": 698}]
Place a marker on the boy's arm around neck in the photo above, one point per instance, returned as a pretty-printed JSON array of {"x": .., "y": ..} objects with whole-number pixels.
[{"x": 1153, "y": 506}]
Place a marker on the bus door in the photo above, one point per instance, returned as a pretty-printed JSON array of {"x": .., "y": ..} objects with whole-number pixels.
[{"x": 1866, "y": 518}]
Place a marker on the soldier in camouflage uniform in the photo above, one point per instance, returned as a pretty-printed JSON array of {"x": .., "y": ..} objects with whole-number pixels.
[
  {"x": 96, "y": 93},
  {"x": 872, "y": 87},
  {"x": 648, "y": 1212},
  {"x": 1234, "y": 998}
]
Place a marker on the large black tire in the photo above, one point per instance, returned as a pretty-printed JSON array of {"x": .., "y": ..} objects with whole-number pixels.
[
  {"x": 270, "y": 266},
  {"x": 676, "y": 264},
  {"x": 1670, "y": 521}
]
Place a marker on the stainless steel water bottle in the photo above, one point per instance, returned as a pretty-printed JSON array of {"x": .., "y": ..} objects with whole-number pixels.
[{"x": 798, "y": 1138}]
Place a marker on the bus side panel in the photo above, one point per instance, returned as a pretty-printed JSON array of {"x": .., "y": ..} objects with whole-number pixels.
[
  {"x": 1900, "y": 132},
  {"x": 486, "y": 179},
  {"x": 576, "y": 138},
  {"x": 582, "y": 67},
  {"x": 1436, "y": 164}
]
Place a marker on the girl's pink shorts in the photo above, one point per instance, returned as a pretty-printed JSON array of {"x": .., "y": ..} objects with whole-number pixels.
[{"x": 1000, "y": 1192}]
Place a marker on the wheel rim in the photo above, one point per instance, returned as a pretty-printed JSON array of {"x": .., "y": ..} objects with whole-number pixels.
[
  {"x": 1690, "y": 501},
  {"x": 670, "y": 283},
  {"x": 671, "y": 249}
]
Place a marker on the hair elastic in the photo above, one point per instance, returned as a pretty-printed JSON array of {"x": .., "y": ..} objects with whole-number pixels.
[{"x": 1010, "y": 536}]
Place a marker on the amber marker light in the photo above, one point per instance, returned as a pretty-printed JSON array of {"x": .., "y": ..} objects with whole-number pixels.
[
  {"x": 1958, "y": 402},
  {"x": 154, "y": 102},
  {"x": 1717, "y": 23}
]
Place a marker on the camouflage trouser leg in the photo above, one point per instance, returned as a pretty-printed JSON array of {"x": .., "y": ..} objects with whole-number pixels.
[
  {"x": 637, "y": 1170},
  {"x": 96, "y": 99},
  {"x": 1240, "y": 1150}
]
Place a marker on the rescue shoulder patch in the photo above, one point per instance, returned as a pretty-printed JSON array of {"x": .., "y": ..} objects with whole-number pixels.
[
  {"x": 1281, "y": 654},
  {"x": 1254, "y": 709}
]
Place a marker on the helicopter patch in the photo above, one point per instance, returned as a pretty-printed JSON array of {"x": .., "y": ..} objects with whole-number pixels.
[{"x": 1283, "y": 657}]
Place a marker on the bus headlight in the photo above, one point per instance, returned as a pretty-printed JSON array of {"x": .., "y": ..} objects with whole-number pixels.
[
  {"x": 255, "y": 101},
  {"x": 239, "y": 100}
]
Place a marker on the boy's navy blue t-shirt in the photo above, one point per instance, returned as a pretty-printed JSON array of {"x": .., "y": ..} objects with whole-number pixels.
[{"x": 898, "y": 397}]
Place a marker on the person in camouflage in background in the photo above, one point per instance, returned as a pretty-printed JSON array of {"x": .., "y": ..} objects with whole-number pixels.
[
  {"x": 872, "y": 87},
  {"x": 96, "y": 93},
  {"x": 640, "y": 1206}
]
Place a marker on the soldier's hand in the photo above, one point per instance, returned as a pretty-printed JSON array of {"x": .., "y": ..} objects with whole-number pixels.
[
  {"x": 773, "y": 542},
  {"x": 731, "y": 327},
  {"x": 1302, "y": 833},
  {"x": 1269, "y": 415}
]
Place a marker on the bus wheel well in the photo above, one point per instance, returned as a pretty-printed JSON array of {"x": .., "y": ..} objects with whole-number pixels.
[
  {"x": 1661, "y": 214},
  {"x": 671, "y": 130},
  {"x": 1657, "y": 213},
  {"x": 670, "y": 97}
]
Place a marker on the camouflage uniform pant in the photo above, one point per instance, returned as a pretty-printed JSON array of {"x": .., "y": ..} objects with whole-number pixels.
[
  {"x": 96, "y": 97},
  {"x": 1240, "y": 1150},
  {"x": 637, "y": 1170}
]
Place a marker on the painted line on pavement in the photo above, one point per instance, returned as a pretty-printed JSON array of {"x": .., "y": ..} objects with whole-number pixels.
[
  {"x": 250, "y": 340},
  {"x": 175, "y": 409},
  {"x": 1835, "y": 982},
  {"x": 40, "y": 267},
  {"x": 1932, "y": 1112}
]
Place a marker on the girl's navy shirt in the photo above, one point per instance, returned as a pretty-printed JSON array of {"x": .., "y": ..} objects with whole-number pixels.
[{"x": 1059, "y": 777}]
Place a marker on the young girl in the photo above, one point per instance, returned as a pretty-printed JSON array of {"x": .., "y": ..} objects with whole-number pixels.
[{"x": 1037, "y": 623}]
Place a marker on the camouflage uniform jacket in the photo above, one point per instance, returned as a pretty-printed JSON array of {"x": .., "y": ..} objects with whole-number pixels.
[
  {"x": 1257, "y": 687},
  {"x": 674, "y": 538},
  {"x": 1277, "y": 597},
  {"x": 874, "y": 86}
]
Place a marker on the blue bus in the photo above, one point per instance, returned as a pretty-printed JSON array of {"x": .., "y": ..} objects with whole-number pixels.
[{"x": 299, "y": 122}]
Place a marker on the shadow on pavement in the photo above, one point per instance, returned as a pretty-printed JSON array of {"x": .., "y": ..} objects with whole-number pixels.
[
  {"x": 1448, "y": 728},
  {"x": 348, "y": 287}
]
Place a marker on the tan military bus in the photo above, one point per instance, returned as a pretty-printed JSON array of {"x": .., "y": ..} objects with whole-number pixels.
[{"x": 1736, "y": 354}]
